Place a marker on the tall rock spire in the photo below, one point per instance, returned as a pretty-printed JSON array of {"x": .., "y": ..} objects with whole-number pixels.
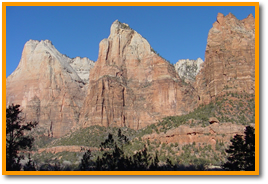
[{"x": 130, "y": 85}]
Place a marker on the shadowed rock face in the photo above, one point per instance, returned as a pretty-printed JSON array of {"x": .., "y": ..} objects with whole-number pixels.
[
  {"x": 130, "y": 85},
  {"x": 47, "y": 88},
  {"x": 229, "y": 58}
]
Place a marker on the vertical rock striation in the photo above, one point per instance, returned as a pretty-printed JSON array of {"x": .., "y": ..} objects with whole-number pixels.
[
  {"x": 229, "y": 58},
  {"x": 130, "y": 85}
]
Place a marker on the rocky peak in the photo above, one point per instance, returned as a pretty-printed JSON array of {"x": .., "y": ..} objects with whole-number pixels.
[
  {"x": 123, "y": 49},
  {"x": 231, "y": 16},
  {"x": 220, "y": 18},
  {"x": 130, "y": 85},
  {"x": 232, "y": 24},
  {"x": 47, "y": 88},
  {"x": 229, "y": 58},
  {"x": 31, "y": 44},
  {"x": 249, "y": 22},
  {"x": 188, "y": 69},
  {"x": 82, "y": 66},
  {"x": 117, "y": 25},
  {"x": 35, "y": 53}
]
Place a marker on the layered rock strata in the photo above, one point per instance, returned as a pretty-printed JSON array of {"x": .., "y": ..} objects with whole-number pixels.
[
  {"x": 130, "y": 85},
  {"x": 229, "y": 58},
  {"x": 47, "y": 88},
  {"x": 186, "y": 134}
]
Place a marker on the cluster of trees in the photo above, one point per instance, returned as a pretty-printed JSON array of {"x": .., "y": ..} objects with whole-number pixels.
[
  {"x": 241, "y": 153},
  {"x": 114, "y": 159}
]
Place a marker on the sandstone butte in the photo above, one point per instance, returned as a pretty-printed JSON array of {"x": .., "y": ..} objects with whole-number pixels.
[{"x": 129, "y": 85}]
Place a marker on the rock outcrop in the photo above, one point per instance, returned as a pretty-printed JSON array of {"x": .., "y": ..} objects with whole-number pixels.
[
  {"x": 130, "y": 85},
  {"x": 188, "y": 69},
  {"x": 185, "y": 134},
  {"x": 229, "y": 58},
  {"x": 82, "y": 66},
  {"x": 47, "y": 88}
]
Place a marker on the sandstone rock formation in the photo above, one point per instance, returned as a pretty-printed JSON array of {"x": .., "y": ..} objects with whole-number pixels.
[
  {"x": 188, "y": 69},
  {"x": 213, "y": 120},
  {"x": 82, "y": 66},
  {"x": 186, "y": 134},
  {"x": 47, "y": 88},
  {"x": 130, "y": 85},
  {"x": 229, "y": 58}
]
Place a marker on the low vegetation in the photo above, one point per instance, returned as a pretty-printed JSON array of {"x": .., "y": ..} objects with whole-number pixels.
[{"x": 231, "y": 107}]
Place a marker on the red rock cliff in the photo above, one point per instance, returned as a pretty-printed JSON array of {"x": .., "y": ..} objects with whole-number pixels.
[
  {"x": 130, "y": 85},
  {"x": 47, "y": 88},
  {"x": 229, "y": 58}
]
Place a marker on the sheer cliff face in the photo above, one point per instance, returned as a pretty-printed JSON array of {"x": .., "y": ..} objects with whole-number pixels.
[
  {"x": 47, "y": 88},
  {"x": 229, "y": 58},
  {"x": 130, "y": 85}
]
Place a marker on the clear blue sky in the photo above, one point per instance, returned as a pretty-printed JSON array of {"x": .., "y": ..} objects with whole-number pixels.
[{"x": 174, "y": 32}]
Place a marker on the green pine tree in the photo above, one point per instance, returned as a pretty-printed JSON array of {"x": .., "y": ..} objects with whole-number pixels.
[
  {"x": 241, "y": 153},
  {"x": 85, "y": 162},
  {"x": 15, "y": 137}
]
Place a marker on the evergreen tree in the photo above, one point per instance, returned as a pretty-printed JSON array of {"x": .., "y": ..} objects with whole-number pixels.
[
  {"x": 30, "y": 166},
  {"x": 249, "y": 149},
  {"x": 108, "y": 143},
  {"x": 142, "y": 160},
  {"x": 242, "y": 152},
  {"x": 154, "y": 164},
  {"x": 236, "y": 154},
  {"x": 122, "y": 139},
  {"x": 85, "y": 162},
  {"x": 15, "y": 137}
]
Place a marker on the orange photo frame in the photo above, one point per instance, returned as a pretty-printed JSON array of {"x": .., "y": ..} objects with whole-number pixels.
[{"x": 257, "y": 88}]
